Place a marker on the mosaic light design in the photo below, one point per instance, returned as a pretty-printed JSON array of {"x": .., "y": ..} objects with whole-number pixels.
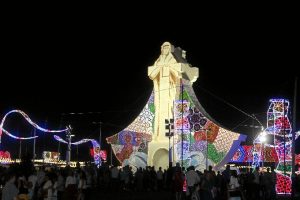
[
  {"x": 96, "y": 147},
  {"x": 131, "y": 145},
  {"x": 202, "y": 137},
  {"x": 26, "y": 117},
  {"x": 245, "y": 154}
]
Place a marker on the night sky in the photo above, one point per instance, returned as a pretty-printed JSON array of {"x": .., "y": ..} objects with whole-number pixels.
[{"x": 53, "y": 66}]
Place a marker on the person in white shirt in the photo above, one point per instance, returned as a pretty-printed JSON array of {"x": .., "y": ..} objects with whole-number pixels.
[
  {"x": 71, "y": 186},
  {"x": 234, "y": 183},
  {"x": 234, "y": 186},
  {"x": 50, "y": 188},
  {"x": 40, "y": 176},
  {"x": 71, "y": 180},
  {"x": 82, "y": 186},
  {"x": 32, "y": 179},
  {"x": 60, "y": 185},
  {"x": 10, "y": 191},
  {"x": 192, "y": 178}
]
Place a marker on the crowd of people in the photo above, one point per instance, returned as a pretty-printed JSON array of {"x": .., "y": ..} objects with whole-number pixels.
[
  {"x": 53, "y": 183},
  {"x": 256, "y": 184},
  {"x": 46, "y": 183}
]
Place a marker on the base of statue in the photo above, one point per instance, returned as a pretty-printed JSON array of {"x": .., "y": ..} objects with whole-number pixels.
[{"x": 158, "y": 154}]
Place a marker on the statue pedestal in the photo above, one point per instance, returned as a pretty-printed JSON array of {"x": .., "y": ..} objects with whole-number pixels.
[{"x": 158, "y": 154}]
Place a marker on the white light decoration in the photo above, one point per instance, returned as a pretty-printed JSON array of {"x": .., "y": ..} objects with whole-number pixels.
[
  {"x": 96, "y": 147},
  {"x": 262, "y": 137},
  {"x": 26, "y": 117}
]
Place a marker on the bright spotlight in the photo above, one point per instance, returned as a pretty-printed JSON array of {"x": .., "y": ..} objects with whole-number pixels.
[{"x": 262, "y": 137}]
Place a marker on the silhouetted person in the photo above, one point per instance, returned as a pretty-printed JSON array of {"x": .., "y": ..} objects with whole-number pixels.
[{"x": 273, "y": 186}]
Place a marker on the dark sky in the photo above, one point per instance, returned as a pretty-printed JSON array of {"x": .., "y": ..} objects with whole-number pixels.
[{"x": 80, "y": 63}]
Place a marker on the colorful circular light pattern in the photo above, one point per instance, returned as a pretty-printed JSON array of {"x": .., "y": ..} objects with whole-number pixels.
[{"x": 205, "y": 136}]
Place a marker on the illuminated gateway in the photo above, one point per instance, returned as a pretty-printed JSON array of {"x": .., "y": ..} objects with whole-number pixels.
[{"x": 196, "y": 135}]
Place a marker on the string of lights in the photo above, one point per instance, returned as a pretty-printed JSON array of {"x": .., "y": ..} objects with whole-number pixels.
[
  {"x": 96, "y": 147},
  {"x": 229, "y": 104},
  {"x": 27, "y": 118}
]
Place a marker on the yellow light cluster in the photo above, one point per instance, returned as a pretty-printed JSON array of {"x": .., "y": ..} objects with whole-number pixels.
[
  {"x": 41, "y": 161},
  {"x": 58, "y": 162},
  {"x": 5, "y": 160}
]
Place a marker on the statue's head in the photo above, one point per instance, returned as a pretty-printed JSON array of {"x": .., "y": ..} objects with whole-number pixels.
[{"x": 166, "y": 48}]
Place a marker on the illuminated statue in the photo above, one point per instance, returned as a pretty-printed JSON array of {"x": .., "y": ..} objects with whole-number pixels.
[
  {"x": 197, "y": 138},
  {"x": 166, "y": 74}
]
